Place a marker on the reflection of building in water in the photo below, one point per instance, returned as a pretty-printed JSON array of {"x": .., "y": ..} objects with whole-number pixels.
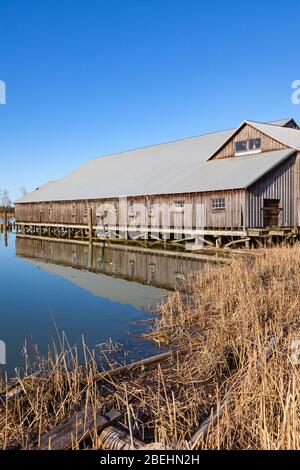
[
  {"x": 52, "y": 258},
  {"x": 132, "y": 263}
]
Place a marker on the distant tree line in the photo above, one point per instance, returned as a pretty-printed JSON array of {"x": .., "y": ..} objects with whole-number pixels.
[
  {"x": 6, "y": 204},
  {"x": 5, "y": 201}
]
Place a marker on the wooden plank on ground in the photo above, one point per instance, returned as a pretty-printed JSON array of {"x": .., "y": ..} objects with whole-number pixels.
[{"x": 77, "y": 428}]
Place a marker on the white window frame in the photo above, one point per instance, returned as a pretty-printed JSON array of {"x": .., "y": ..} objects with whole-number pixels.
[
  {"x": 152, "y": 209},
  {"x": 248, "y": 151},
  {"x": 218, "y": 203},
  {"x": 179, "y": 205},
  {"x": 131, "y": 209}
]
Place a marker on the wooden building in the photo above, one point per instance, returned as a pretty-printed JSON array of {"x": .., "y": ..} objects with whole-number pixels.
[{"x": 233, "y": 184}]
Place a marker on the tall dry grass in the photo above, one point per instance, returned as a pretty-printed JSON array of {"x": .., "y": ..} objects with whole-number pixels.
[
  {"x": 246, "y": 317},
  {"x": 243, "y": 318}
]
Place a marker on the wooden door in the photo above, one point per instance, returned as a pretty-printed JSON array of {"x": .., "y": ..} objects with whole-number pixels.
[{"x": 271, "y": 212}]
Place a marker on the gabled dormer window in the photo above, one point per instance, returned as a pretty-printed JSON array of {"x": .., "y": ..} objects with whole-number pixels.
[{"x": 248, "y": 146}]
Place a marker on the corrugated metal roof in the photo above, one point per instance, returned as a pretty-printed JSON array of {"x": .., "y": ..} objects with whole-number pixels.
[
  {"x": 162, "y": 169},
  {"x": 281, "y": 122},
  {"x": 285, "y": 135},
  {"x": 137, "y": 172},
  {"x": 111, "y": 288},
  {"x": 229, "y": 173},
  {"x": 213, "y": 175}
]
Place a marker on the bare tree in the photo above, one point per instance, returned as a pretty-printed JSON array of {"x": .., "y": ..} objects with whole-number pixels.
[
  {"x": 23, "y": 191},
  {"x": 5, "y": 201}
]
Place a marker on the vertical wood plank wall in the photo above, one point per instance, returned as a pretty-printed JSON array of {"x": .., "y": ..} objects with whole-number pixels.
[
  {"x": 296, "y": 208},
  {"x": 277, "y": 184},
  {"x": 247, "y": 133},
  {"x": 76, "y": 212}
]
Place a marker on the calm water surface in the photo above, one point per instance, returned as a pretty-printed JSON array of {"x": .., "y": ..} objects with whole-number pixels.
[{"x": 99, "y": 293}]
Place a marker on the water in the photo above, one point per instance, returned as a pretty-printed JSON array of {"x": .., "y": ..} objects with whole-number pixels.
[{"x": 99, "y": 292}]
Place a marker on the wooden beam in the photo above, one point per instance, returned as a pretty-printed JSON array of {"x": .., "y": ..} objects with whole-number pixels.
[
  {"x": 162, "y": 230},
  {"x": 90, "y": 223},
  {"x": 153, "y": 360},
  {"x": 235, "y": 242},
  {"x": 123, "y": 247},
  {"x": 78, "y": 427}
]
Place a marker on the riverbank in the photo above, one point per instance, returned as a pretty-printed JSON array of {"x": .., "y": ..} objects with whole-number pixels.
[{"x": 241, "y": 323}]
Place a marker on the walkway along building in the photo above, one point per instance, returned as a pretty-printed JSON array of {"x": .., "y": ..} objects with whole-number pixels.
[{"x": 246, "y": 182}]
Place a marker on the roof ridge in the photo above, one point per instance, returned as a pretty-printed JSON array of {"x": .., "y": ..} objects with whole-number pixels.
[
  {"x": 271, "y": 124},
  {"x": 282, "y": 119},
  {"x": 184, "y": 139},
  {"x": 279, "y": 139},
  {"x": 176, "y": 141}
]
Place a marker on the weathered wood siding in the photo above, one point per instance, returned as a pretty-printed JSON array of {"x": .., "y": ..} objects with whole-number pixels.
[
  {"x": 165, "y": 213},
  {"x": 277, "y": 184},
  {"x": 296, "y": 208},
  {"x": 246, "y": 133},
  {"x": 231, "y": 217}
]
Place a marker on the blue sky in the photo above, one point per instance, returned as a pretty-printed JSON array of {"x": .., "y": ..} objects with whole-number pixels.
[{"x": 87, "y": 78}]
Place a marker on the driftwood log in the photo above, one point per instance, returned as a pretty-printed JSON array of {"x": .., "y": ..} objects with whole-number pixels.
[
  {"x": 82, "y": 424},
  {"x": 17, "y": 391},
  {"x": 150, "y": 361},
  {"x": 112, "y": 438}
]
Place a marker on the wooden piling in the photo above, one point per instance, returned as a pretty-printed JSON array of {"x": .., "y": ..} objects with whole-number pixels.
[{"x": 90, "y": 224}]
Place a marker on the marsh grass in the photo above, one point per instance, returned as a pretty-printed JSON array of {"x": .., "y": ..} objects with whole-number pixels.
[{"x": 244, "y": 319}]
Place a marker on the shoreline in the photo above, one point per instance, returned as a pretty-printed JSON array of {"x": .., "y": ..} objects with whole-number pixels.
[{"x": 234, "y": 333}]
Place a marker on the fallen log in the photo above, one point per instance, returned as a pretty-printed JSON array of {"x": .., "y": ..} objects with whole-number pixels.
[
  {"x": 150, "y": 361},
  {"x": 83, "y": 423},
  {"x": 118, "y": 371},
  {"x": 201, "y": 433},
  {"x": 112, "y": 438}
]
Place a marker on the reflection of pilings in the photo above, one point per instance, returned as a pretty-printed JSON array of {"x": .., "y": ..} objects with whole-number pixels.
[
  {"x": 90, "y": 223},
  {"x": 7, "y": 226},
  {"x": 5, "y": 229},
  {"x": 156, "y": 267},
  {"x": 91, "y": 255}
]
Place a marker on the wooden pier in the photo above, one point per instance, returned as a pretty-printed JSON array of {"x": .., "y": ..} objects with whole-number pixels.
[{"x": 193, "y": 238}]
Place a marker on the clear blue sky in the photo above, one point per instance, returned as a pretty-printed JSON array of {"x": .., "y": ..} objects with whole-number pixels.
[{"x": 87, "y": 78}]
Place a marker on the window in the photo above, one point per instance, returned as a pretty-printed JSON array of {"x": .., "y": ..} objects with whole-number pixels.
[
  {"x": 218, "y": 203},
  {"x": 152, "y": 272},
  {"x": 241, "y": 146},
  {"x": 74, "y": 258},
  {"x": 151, "y": 213},
  {"x": 131, "y": 208},
  {"x": 131, "y": 270},
  {"x": 179, "y": 205},
  {"x": 152, "y": 209},
  {"x": 248, "y": 146}
]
